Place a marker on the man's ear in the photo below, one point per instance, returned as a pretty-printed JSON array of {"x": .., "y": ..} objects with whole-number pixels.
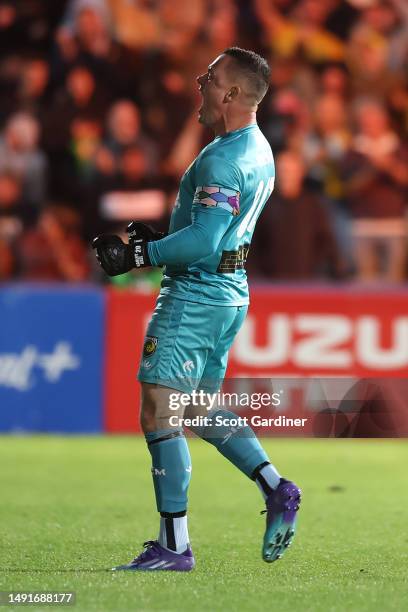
[{"x": 232, "y": 94}]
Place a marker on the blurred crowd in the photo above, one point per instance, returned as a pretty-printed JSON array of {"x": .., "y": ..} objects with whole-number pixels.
[{"x": 98, "y": 121}]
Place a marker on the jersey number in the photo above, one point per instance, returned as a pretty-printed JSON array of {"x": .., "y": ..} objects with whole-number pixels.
[{"x": 262, "y": 194}]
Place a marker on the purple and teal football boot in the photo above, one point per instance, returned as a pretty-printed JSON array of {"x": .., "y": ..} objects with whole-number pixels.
[
  {"x": 281, "y": 509},
  {"x": 156, "y": 558}
]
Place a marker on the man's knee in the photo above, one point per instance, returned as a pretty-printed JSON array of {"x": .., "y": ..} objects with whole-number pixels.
[
  {"x": 147, "y": 420},
  {"x": 155, "y": 409},
  {"x": 148, "y": 409}
]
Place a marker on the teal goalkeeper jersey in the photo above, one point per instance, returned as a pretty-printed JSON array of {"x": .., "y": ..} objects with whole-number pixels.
[{"x": 221, "y": 196}]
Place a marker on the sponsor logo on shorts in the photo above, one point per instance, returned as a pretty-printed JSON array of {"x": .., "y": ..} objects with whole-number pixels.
[
  {"x": 188, "y": 366},
  {"x": 150, "y": 346}
]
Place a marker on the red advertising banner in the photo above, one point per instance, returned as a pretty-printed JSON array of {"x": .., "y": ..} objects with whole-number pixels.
[
  {"x": 316, "y": 332},
  {"x": 127, "y": 315},
  {"x": 305, "y": 332}
]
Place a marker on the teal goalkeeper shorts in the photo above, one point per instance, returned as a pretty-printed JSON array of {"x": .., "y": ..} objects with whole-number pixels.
[{"x": 186, "y": 344}]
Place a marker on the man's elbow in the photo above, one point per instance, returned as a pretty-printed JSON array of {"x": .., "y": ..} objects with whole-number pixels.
[
  {"x": 207, "y": 241},
  {"x": 207, "y": 244},
  {"x": 206, "y": 251}
]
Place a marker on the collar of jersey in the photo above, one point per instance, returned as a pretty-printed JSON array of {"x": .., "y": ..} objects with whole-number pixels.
[{"x": 251, "y": 126}]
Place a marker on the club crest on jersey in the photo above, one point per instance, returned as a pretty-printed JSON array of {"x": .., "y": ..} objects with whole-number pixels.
[
  {"x": 150, "y": 346},
  {"x": 218, "y": 196}
]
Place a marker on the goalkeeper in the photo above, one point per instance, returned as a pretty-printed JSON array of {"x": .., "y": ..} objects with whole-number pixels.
[{"x": 201, "y": 306}]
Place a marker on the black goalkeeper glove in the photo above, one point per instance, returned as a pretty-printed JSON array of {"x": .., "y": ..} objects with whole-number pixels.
[
  {"x": 139, "y": 235},
  {"x": 114, "y": 255},
  {"x": 137, "y": 230},
  {"x": 117, "y": 257}
]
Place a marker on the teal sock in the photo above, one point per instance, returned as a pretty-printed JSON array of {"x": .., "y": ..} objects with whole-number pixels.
[
  {"x": 171, "y": 469},
  {"x": 238, "y": 444}
]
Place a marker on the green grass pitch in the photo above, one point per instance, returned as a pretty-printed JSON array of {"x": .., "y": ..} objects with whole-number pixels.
[{"x": 72, "y": 507}]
